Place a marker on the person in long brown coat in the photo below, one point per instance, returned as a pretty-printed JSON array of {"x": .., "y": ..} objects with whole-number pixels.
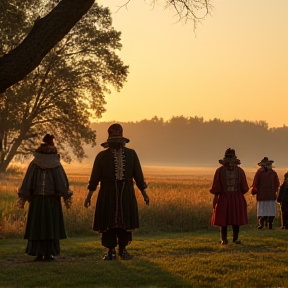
[
  {"x": 229, "y": 187},
  {"x": 116, "y": 214}
]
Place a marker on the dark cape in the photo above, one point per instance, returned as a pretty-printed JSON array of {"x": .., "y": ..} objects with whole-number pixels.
[
  {"x": 282, "y": 197},
  {"x": 43, "y": 186},
  {"x": 116, "y": 197}
]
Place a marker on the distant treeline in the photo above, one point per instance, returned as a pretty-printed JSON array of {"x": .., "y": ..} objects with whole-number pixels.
[{"x": 192, "y": 141}]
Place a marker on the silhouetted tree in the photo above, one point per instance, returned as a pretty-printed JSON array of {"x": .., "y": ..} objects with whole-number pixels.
[
  {"x": 65, "y": 90},
  {"x": 49, "y": 29}
]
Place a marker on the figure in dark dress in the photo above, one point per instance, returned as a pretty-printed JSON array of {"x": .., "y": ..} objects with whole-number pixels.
[{"x": 44, "y": 184}]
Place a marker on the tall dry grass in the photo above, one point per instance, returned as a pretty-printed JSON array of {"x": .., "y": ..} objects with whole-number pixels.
[{"x": 179, "y": 202}]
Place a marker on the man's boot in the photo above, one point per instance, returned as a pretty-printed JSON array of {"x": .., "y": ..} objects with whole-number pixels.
[
  {"x": 270, "y": 222},
  {"x": 223, "y": 232},
  {"x": 236, "y": 234},
  {"x": 123, "y": 253},
  {"x": 110, "y": 254}
]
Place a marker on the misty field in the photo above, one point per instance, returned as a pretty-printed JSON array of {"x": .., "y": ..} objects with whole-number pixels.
[{"x": 174, "y": 247}]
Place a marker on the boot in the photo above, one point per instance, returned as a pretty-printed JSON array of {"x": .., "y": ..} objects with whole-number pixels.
[
  {"x": 110, "y": 254},
  {"x": 123, "y": 254},
  {"x": 236, "y": 234},
  {"x": 266, "y": 221},
  {"x": 223, "y": 232},
  {"x": 38, "y": 258},
  {"x": 261, "y": 221},
  {"x": 49, "y": 257},
  {"x": 270, "y": 222}
]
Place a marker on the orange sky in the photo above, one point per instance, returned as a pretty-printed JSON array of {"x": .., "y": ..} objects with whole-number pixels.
[{"x": 235, "y": 67}]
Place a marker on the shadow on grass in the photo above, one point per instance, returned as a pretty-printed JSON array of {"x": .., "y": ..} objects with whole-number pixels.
[{"x": 81, "y": 265}]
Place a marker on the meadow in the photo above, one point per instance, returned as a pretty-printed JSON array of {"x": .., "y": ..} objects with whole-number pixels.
[{"x": 174, "y": 247}]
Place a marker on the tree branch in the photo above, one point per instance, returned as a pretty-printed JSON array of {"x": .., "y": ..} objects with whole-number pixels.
[{"x": 45, "y": 34}]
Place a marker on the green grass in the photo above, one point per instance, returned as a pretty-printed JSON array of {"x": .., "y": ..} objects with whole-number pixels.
[
  {"x": 175, "y": 246},
  {"x": 164, "y": 260}
]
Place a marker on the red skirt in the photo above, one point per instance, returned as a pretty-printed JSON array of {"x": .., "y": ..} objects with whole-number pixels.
[{"x": 230, "y": 209}]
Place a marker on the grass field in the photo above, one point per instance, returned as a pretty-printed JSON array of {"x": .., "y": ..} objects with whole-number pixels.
[{"x": 175, "y": 246}]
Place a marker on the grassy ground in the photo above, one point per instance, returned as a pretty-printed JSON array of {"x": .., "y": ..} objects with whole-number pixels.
[
  {"x": 175, "y": 246},
  {"x": 163, "y": 260}
]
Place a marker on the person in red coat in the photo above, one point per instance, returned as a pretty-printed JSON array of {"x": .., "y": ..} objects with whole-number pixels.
[
  {"x": 265, "y": 186},
  {"x": 229, "y": 187}
]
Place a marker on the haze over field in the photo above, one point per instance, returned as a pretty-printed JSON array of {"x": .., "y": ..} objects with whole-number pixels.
[{"x": 193, "y": 142}]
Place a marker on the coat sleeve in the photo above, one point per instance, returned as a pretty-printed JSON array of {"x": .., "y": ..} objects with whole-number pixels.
[
  {"x": 276, "y": 182},
  {"x": 243, "y": 182},
  {"x": 137, "y": 172},
  {"x": 26, "y": 190},
  {"x": 95, "y": 174},
  {"x": 216, "y": 186},
  {"x": 61, "y": 183},
  {"x": 256, "y": 181},
  {"x": 281, "y": 193}
]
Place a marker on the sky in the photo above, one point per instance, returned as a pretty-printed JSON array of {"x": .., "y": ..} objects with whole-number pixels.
[{"x": 234, "y": 66}]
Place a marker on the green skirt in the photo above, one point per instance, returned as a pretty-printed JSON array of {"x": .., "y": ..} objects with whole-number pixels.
[{"x": 45, "y": 225}]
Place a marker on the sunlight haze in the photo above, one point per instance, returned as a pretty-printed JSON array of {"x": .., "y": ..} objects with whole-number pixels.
[{"x": 235, "y": 65}]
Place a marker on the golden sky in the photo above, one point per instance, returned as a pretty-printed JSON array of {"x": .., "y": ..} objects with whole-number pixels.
[{"x": 234, "y": 67}]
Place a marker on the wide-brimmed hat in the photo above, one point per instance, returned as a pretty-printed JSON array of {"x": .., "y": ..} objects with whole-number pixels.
[
  {"x": 115, "y": 134},
  {"x": 265, "y": 161},
  {"x": 230, "y": 157}
]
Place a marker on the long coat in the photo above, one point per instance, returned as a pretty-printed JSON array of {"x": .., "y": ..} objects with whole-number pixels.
[
  {"x": 265, "y": 184},
  {"x": 108, "y": 202},
  {"x": 282, "y": 197},
  {"x": 230, "y": 207}
]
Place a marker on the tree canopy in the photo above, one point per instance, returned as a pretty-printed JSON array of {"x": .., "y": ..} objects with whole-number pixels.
[
  {"x": 66, "y": 89},
  {"x": 49, "y": 29}
]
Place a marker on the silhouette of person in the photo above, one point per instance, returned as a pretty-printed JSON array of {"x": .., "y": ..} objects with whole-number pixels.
[
  {"x": 282, "y": 199},
  {"x": 44, "y": 184},
  {"x": 116, "y": 213},
  {"x": 229, "y": 187},
  {"x": 265, "y": 186}
]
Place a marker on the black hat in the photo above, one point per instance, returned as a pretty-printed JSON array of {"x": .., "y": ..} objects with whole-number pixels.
[
  {"x": 48, "y": 139},
  {"x": 265, "y": 161},
  {"x": 115, "y": 134},
  {"x": 230, "y": 157}
]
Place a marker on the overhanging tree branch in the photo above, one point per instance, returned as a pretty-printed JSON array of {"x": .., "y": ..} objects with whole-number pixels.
[{"x": 45, "y": 34}]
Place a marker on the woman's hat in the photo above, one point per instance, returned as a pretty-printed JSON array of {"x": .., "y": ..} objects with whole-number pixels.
[
  {"x": 265, "y": 161},
  {"x": 115, "y": 134},
  {"x": 230, "y": 157},
  {"x": 48, "y": 139}
]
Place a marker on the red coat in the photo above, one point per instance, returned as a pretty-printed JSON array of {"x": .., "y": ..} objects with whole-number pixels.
[
  {"x": 265, "y": 184},
  {"x": 230, "y": 207}
]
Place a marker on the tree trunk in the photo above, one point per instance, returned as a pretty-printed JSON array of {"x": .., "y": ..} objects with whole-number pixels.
[
  {"x": 5, "y": 161},
  {"x": 45, "y": 34}
]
